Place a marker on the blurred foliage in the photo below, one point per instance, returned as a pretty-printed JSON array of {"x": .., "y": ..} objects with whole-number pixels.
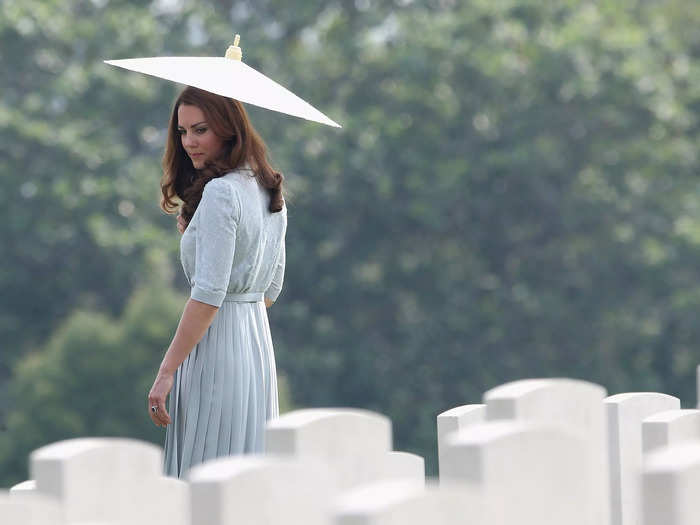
[
  {"x": 92, "y": 376},
  {"x": 513, "y": 194}
]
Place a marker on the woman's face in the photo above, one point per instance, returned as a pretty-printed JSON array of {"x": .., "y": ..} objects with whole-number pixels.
[{"x": 199, "y": 141}]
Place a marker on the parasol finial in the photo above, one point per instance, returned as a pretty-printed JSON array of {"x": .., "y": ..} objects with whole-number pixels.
[{"x": 234, "y": 52}]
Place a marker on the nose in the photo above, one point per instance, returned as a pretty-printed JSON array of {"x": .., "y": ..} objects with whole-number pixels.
[{"x": 189, "y": 141}]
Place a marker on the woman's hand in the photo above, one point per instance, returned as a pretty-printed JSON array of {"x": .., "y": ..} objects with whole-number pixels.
[
  {"x": 156, "y": 397},
  {"x": 181, "y": 224}
]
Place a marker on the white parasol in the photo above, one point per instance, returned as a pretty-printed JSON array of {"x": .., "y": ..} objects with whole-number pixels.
[{"x": 227, "y": 76}]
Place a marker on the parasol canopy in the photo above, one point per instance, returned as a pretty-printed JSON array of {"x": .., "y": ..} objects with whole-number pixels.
[{"x": 227, "y": 76}]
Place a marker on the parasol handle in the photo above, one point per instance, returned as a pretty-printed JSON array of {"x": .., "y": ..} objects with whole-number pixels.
[{"x": 234, "y": 52}]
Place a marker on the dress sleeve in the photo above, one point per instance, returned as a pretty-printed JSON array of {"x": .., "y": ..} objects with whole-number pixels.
[{"x": 215, "y": 241}]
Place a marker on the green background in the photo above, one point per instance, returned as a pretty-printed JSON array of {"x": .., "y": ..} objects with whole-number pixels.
[{"x": 514, "y": 194}]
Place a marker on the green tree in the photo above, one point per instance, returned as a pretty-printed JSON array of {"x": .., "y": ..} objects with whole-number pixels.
[
  {"x": 90, "y": 379},
  {"x": 513, "y": 193}
]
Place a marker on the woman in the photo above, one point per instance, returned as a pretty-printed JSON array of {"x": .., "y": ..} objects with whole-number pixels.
[{"x": 220, "y": 364}]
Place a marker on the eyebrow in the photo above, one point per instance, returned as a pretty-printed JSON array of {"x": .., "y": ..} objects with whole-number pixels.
[{"x": 193, "y": 125}]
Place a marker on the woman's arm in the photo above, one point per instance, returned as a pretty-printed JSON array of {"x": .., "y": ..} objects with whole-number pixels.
[
  {"x": 194, "y": 322},
  {"x": 215, "y": 241}
]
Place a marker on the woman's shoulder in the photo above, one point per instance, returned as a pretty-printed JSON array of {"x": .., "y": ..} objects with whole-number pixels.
[
  {"x": 220, "y": 192},
  {"x": 217, "y": 185},
  {"x": 230, "y": 178},
  {"x": 238, "y": 175}
]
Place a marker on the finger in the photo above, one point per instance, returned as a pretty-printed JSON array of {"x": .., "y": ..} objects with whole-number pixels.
[
  {"x": 166, "y": 416},
  {"x": 153, "y": 417},
  {"x": 157, "y": 415},
  {"x": 163, "y": 411},
  {"x": 155, "y": 420},
  {"x": 161, "y": 414}
]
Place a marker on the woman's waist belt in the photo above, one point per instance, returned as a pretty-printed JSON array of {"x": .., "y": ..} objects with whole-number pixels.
[{"x": 249, "y": 297}]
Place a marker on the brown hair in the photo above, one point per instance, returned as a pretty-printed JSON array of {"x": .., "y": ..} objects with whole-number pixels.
[{"x": 227, "y": 118}]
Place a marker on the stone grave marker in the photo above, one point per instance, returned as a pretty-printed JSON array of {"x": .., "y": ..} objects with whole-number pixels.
[
  {"x": 406, "y": 502},
  {"x": 261, "y": 490},
  {"x": 577, "y": 405},
  {"x": 670, "y": 486},
  {"x": 524, "y": 473},
  {"x": 455, "y": 419},
  {"x": 671, "y": 427},
  {"x": 354, "y": 444},
  {"x": 24, "y": 487},
  {"x": 625, "y": 415},
  {"x": 114, "y": 480},
  {"x": 29, "y": 509}
]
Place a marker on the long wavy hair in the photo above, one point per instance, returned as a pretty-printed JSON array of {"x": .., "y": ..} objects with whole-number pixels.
[{"x": 228, "y": 119}]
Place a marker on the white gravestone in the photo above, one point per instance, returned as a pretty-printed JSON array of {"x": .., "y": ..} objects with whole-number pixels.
[
  {"x": 260, "y": 490},
  {"x": 575, "y": 404},
  {"x": 405, "y": 502},
  {"x": 404, "y": 465},
  {"x": 671, "y": 484},
  {"x": 456, "y": 419},
  {"x": 25, "y": 487},
  {"x": 671, "y": 427},
  {"x": 353, "y": 443},
  {"x": 625, "y": 415},
  {"x": 112, "y": 480},
  {"x": 524, "y": 473},
  {"x": 697, "y": 384},
  {"x": 29, "y": 509}
]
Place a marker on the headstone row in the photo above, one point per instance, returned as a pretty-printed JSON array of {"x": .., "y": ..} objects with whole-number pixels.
[{"x": 534, "y": 452}]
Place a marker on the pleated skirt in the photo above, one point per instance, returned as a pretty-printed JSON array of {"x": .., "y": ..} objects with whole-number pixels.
[{"x": 224, "y": 391}]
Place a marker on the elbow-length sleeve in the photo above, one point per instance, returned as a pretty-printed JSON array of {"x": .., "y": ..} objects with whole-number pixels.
[
  {"x": 275, "y": 287},
  {"x": 215, "y": 241}
]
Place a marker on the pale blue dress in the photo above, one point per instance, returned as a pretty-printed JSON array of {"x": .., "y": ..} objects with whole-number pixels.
[{"x": 224, "y": 392}]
